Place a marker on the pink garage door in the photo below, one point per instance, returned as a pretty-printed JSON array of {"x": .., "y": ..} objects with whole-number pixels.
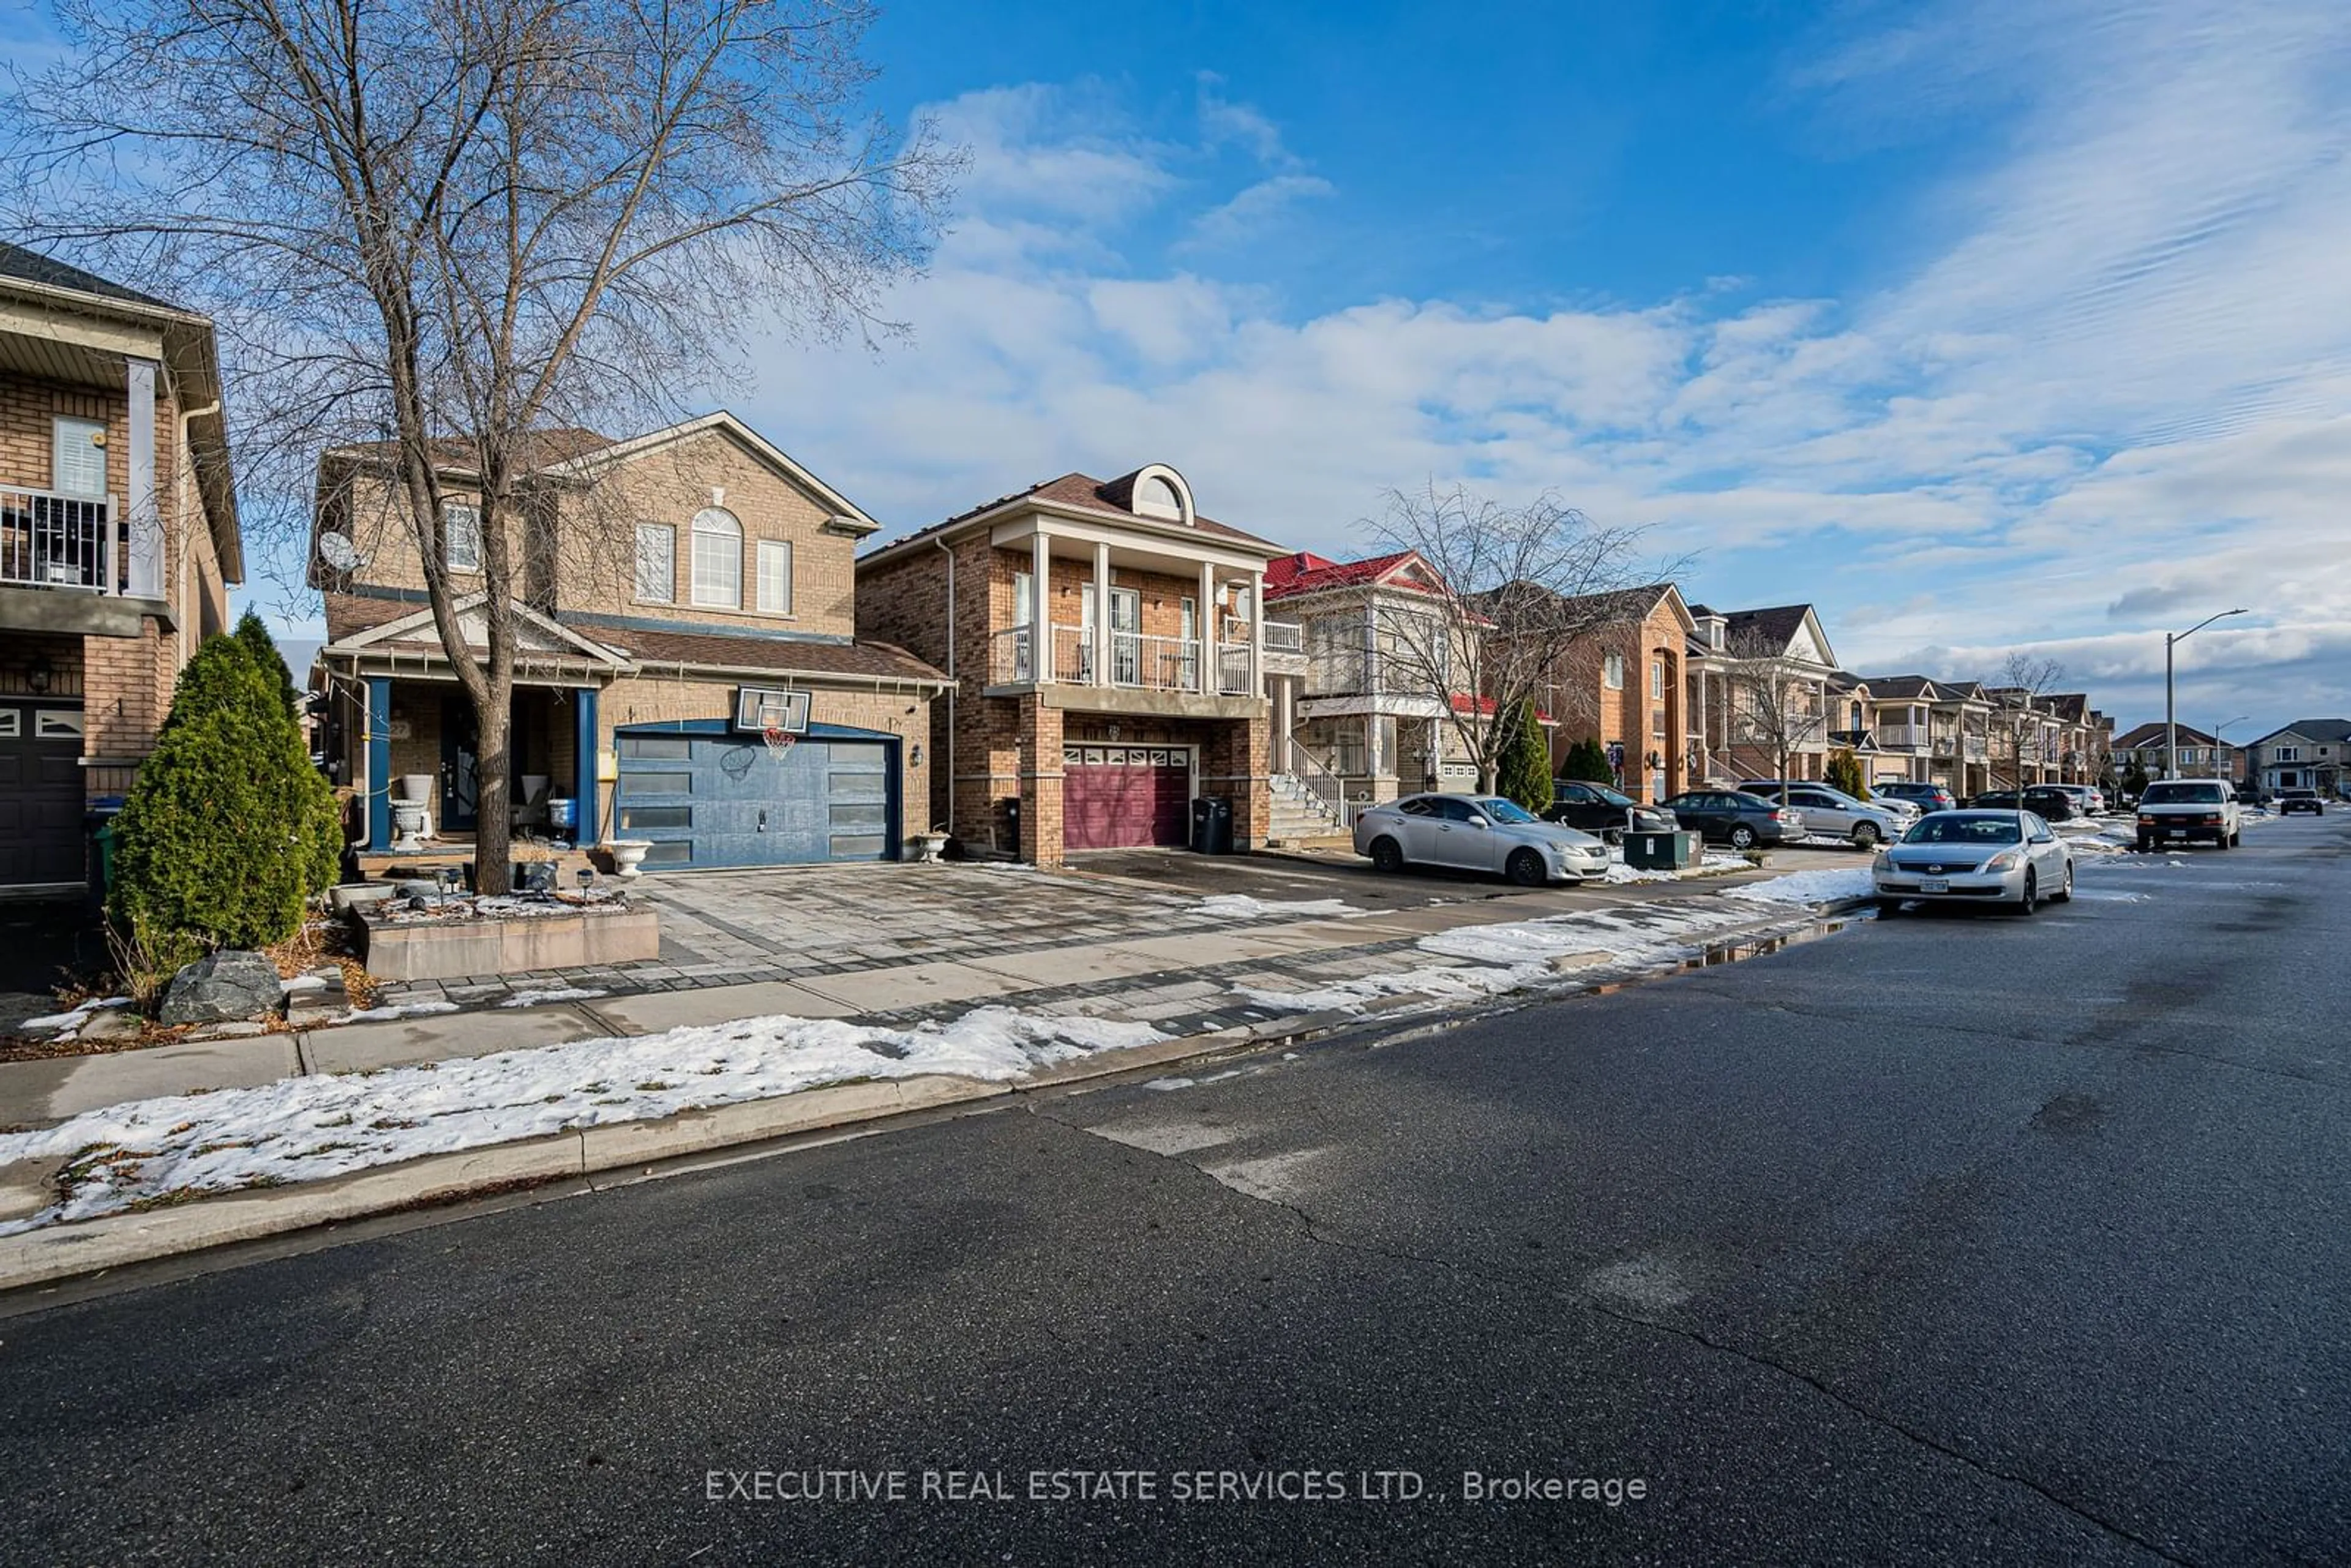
[{"x": 1125, "y": 797}]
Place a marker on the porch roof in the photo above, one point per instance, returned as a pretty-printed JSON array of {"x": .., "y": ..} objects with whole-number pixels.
[{"x": 381, "y": 636}]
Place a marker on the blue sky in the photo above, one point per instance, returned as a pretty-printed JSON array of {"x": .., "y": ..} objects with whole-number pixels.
[{"x": 1985, "y": 324}]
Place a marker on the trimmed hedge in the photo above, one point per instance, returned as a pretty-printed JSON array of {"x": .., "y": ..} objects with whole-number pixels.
[
  {"x": 1522, "y": 773},
  {"x": 1588, "y": 760},
  {"x": 229, "y": 829}
]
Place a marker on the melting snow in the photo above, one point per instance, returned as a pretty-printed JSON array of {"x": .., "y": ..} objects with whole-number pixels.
[
  {"x": 1809, "y": 886},
  {"x": 1241, "y": 907}
]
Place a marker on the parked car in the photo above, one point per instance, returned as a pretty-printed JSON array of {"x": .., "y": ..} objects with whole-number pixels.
[
  {"x": 1837, "y": 815},
  {"x": 1926, "y": 797},
  {"x": 2048, "y": 800},
  {"x": 1603, "y": 812},
  {"x": 1740, "y": 820},
  {"x": 1476, "y": 832},
  {"x": 2289, "y": 801},
  {"x": 2179, "y": 810},
  {"x": 2253, "y": 795},
  {"x": 1999, "y": 857},
  {"x": 2089, "y": 800}
]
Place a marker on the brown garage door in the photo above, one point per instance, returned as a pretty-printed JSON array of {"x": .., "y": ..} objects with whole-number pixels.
[
  {"x": 1125, "y": 797},
  {"x": 40, "y": 795}
]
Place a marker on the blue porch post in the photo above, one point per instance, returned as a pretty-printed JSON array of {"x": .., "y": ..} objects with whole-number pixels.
[
  {"x": 379, "y": 762},
  {"x": 583, "y": 749}
]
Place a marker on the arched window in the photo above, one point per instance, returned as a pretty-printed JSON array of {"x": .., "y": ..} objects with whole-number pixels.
[
  {"x": 1156, "y": 497},
  {"x": 718, "y": 560}
]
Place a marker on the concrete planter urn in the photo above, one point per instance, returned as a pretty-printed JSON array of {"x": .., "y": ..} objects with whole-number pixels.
[
  {"x": 628, "y": 856},
  {"x": 928, "y": 847}
]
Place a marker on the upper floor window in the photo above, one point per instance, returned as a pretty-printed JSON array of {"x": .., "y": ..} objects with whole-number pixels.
[
  {"x": 461, "y": 537},
  {"x": 1156, "y": 497},
  {"x": 2287, "y": 754},
  {"x": 1612, "y": 672},
  {"x": 776, "y": 577},
  {"x": 78, "y": 457},
  {"x": 657, "y": 563},
  {"x": 718, "y": 560},
  {"x": 1658, "y": 679}
]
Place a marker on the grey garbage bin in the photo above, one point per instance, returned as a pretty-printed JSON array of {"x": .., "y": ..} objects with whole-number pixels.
[{"x": 1212, "y": 824}]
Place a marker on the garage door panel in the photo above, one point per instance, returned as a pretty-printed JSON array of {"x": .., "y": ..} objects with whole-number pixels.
[
  {"x": 725, "y": 800},
  {"x": 1125, "y": 797},
  {"x": 41, "y": 804}
]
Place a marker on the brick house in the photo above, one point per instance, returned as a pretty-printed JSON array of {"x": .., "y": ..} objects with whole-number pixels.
[
  {"x": 117, "y": 542},
  {"x": 1728, "y": 742},
  {"x": 1622, "y": 683},
  {"x": 682, "y": 590},
  {"x": 2308, "y": 754},
  {"x": 1104, "y": 642},
  {"x": 2200, "y": 755}
]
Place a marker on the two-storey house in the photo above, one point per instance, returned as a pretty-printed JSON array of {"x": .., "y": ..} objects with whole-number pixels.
[
  {"x": 1758, "y": 680},
  {"x": 1368, "y": 722},
  {"x": 687, "y": 669},
  {"x": 2200, "y": 755},
  {"x": 1103, "y": 640},
  {"x": 117, "y": 542},
  {"x": 1622, "y": 682},
  {"x": 2308, "y": 754}
]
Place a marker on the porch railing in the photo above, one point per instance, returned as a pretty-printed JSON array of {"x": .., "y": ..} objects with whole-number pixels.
[
  {"x": 1902, "y": 738},
  {"x": 1321, "y": 783},
  {"x": 1233, "y": 669},
  {"x": 53, "y": 540},
  {"x": 1011, "y": 657},
  {"x": 1284, "y": 637}
]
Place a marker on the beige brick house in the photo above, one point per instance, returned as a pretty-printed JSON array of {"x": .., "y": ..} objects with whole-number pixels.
[
  {"x": 1104, "y": 642},
  {"x": 1621, "y": 683},
  {"x": 684, "y": 592},
  {"x": 118, "y": 541}
]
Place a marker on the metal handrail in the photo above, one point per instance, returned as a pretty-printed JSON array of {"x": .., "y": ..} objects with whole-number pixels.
[
  {"x": 49, "y": 539},
  {"x": 1321, "y": 782}
]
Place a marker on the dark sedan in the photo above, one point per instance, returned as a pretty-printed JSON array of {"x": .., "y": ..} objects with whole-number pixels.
[
  {"x": 1598, "y": 810},
  {"x": 2049, "y": 805},
  {"x": 1742, "y": 822},
  {"x": 1926, "y": 797},
  {"x": 2289, "y": 801}
]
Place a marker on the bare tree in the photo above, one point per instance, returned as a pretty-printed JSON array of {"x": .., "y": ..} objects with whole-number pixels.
[
  {"x": 1511, "y": 585},
  {"x": 2024, "y": 680},
  {"x": 453, "y": 226},
  {"x": 1777, "y": 702}
]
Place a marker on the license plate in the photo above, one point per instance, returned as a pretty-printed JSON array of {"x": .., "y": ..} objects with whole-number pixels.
[
  {"x": 1935, "y": 884},
  {"x": 2179, "y": 832}
]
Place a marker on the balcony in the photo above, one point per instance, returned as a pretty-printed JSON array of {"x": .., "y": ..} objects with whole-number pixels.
[
  {"x": 1903, "y": 737},
  {"x": 1284, "y": 637},
  {"x": 1136, "y": 662},
  {"x": 52, "y": 540}
]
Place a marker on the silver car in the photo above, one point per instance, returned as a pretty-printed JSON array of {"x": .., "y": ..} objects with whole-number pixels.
[
  {"x": 1974, "y": 857},
  {"x": 1837, "y": 815},
  {"x": 1478, "y": 832}
]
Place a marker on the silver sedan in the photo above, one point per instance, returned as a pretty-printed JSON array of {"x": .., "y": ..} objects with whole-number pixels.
[
  {"x": 1478, "y": 832},
  {"x": 1974, "y": 857}
]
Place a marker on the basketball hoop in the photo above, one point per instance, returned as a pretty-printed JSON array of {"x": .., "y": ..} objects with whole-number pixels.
[{"x": 778, "y": 739}]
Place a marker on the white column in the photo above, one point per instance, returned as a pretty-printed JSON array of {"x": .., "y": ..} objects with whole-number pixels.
[
  {"x": 1205, "y": 624},
  {"x": 1285, "y": 706},
  {"x": 1257, "y": 634},
  {"x": 146, "y": 562},
  {"x": 1100, "y": 653},
  {"x": 1040, "y": 578}
]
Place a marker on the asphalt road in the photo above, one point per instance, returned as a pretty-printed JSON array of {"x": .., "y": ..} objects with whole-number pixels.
[{"x": 1960, "y": 1239}]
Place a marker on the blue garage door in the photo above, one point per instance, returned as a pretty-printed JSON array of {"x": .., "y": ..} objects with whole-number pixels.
[{"x": 704, "y": 797}]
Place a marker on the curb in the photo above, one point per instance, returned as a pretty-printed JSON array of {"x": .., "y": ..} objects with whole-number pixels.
[{"x": 59, "y": 1252}]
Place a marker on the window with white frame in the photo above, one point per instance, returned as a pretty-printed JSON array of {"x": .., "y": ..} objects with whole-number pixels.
[
  {"x": 1658, "y": 679},
  {"x": 775, "y": 566},
  {"x": 1612, "y": 672},
  {"x": 2287, "y": 754},
  {"x": 78, "y": 457},
  {"x": 461, "y": 537},
  {"x": 657, "y": 564},
  {"x": 718, "y": 560}
]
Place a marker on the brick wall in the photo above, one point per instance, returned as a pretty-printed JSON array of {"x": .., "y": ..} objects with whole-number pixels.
[{"x": 1590, "y": 709}]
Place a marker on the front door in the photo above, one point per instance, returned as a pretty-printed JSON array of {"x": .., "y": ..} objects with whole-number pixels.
[
  {"x": 1126, "y": 636},
  {"x": 461, "y": 785}
]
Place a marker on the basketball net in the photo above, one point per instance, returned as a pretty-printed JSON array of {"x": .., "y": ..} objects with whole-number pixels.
[{"x": 778, "y": 739}]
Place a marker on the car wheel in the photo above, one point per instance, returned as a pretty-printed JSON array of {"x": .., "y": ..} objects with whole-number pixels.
[
  {"x": 1387, "y": 856},
  {"x": 1525, "y": 868},
  {"x": 2145, "y": 844},
  {"x": 2032, "y": 899},
  {"x": 2065, "y": 893},
  {"x": 1887, "y": 908},
  {"x": 1612, "y": 836},
  {"x": 1865, "y": 836},
  {"x": 1742, "y": 837}
]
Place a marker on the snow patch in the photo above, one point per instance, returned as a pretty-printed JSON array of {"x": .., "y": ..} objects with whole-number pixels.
[
  {"x": 561, "y": 994},
  {"x": 1241, "y": 907},
  {"x": 1810, "y": 886}
]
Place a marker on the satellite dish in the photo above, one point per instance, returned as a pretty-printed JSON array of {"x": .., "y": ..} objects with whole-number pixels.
[{"x": 338, "y": 551}]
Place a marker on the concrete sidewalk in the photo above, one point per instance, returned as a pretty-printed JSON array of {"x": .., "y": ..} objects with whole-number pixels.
[{"x": 1183, "y": 983}]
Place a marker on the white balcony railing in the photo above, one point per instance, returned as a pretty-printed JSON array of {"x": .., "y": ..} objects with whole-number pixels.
[
  {"x": 1233, "y": 669},
  {"x": 1284, "y": 637},
  {"x": 1146, "y": 662},
  {"x": 49, "y": 540},
  {"x": 1902, "y": 738}
]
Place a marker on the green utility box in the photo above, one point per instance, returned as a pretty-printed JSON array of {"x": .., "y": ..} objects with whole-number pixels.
[{"x": 1662, "y": 851}]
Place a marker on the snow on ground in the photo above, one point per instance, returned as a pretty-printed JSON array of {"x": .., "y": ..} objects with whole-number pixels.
[
  {"x": 385, "y": 1015},
  {"x": 1711, "y": 864},
  {"x": 1510, "y": 955},
  {"x": 305, "y": 1129},
  {"x": 1809, "y": 886},
  {"x": 1241, "y": 907},
  {"x": 561, "y": 994}
]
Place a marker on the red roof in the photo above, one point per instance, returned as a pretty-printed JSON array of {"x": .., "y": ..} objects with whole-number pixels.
[
  {"x": 1306, "y": 572},
  {"x": 1484, "y": 708}
]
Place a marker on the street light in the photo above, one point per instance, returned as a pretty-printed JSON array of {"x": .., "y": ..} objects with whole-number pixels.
[
  {"x": 2170, "y": 724},
  {"x": 2217, "y": 746}
]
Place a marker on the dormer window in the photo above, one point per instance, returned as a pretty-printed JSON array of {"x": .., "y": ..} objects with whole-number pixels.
[{"x": 1160, "y": 491}]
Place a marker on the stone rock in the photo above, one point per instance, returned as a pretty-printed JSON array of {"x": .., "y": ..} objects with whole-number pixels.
[
  {"x": 415, "y": 888},
  {"x": 228, "y": 984}
]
